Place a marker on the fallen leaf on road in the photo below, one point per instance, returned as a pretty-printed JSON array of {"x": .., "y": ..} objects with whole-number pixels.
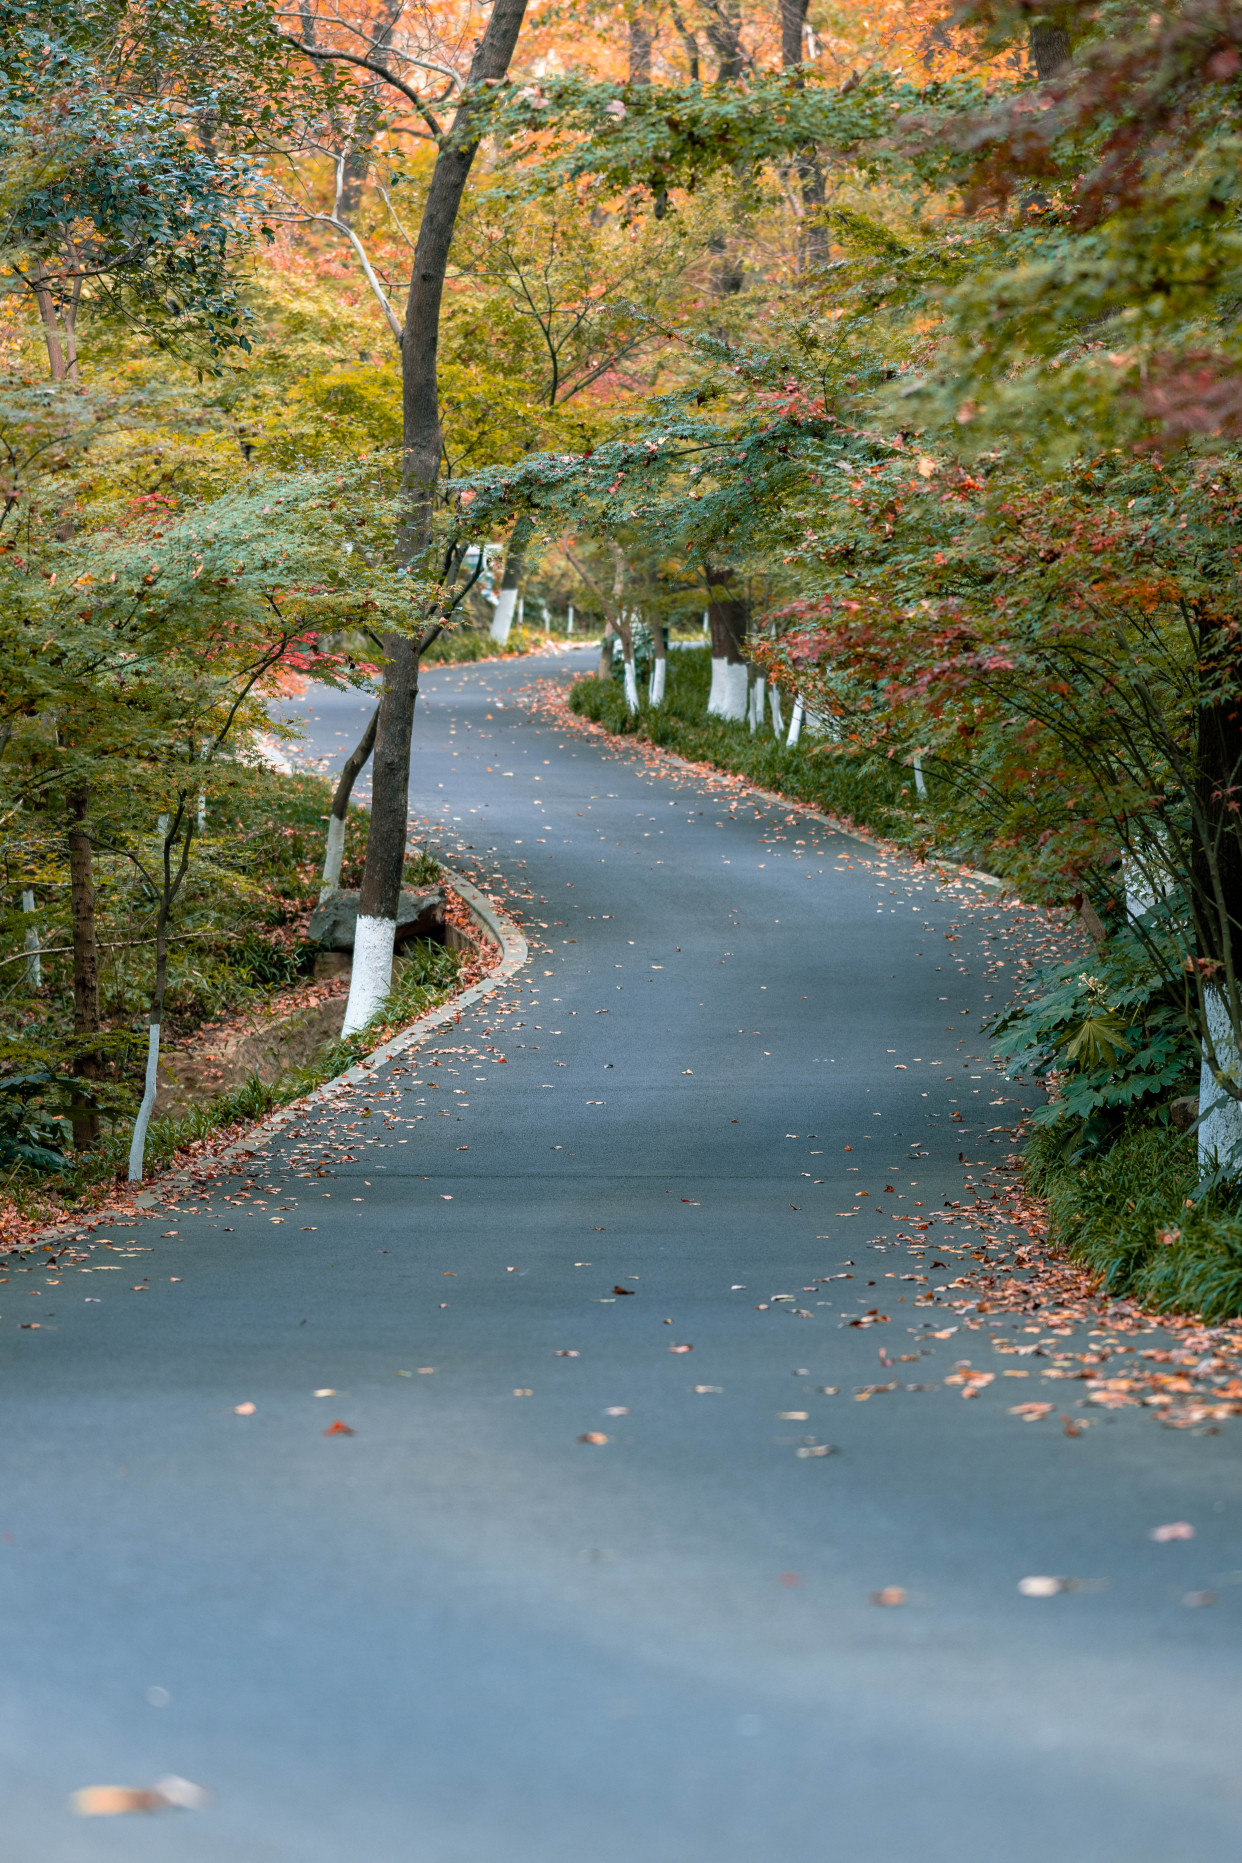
[
  {"x": 1042, "y": 1587},
  {"x": 327, "y": 1390},
  {"x": 243, "y": 1410},
  {"x": 1195, "y": 1600},
  {"x": 617, "y": 1410},
  {"x": 707, "y": 1390},
  {"x": 338, "y": 1429},
  {"x": 814, "y": 1450},
  {"x": 1031, "y": 1413},
  {"x": 1176, "y": 1530},
  {"x": 110, "y": 1801},
  {"x": 564, "y": 1354},
  {"x": 625, "y": 1290},
  {"x": 593, "y": 1436},
  {"x": 891, "y": 1594},
  {"x": 681, "y": 1348}
]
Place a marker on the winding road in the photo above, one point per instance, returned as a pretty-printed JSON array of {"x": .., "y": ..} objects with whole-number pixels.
[{"x": 463, "y": 1633}]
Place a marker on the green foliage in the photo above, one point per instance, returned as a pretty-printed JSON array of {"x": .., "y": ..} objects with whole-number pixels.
[{"x": 1115, "y": 1036}]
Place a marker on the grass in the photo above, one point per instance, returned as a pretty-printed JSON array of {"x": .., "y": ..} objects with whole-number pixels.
[
  {"x": 1133, "y": 1216},
  {"x": 865, "y": 789}
]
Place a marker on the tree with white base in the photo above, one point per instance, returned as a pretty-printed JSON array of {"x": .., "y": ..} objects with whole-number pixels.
[{"x": 727, "y": 616}]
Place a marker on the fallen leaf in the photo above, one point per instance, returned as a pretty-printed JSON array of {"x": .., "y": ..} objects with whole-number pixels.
[
  {"x": 815, "y": 1449},
  {"x": 338, "y": 1429},
  {"x": 1195, "y": 1600},
  {"x": 243, "y": 1410},
  {"x": 1176, "y": 1530},
  {"x": 1031, "y": 1413},
  {"x": 681, "y": 1348},
  {"x": 891, "y": 1594},
  {"x": 593, "y": 1436},
  {"x": 329, "y": 1392},
  {"x": 625, "y": 1290},
  {"x": 110, "y": 1801},
  {"x": 1042, "y": 1587}
]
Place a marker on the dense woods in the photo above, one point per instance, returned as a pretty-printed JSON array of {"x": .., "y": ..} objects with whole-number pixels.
[{"x": 890, "y": 352}]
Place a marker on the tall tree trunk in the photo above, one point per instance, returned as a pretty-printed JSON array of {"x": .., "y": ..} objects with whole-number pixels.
[
  {"x": 810, "y": 169},
  {"x": 354, "y": 765},
  {"x": 1217, "y": 891},
  {"x": 381, "y": 883},
  {"x": 641, "y": 39},
  {"x": 659, "y": 663},
  {"x": 510, "y": 582},
  {"x": 82, "y": 1113},
  {"x": 727, "y": 616},
  {"x": 1050, "y": 49}
]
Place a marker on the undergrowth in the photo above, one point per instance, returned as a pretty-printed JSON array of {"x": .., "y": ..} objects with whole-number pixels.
[{"x": 1136, "y": 1216}]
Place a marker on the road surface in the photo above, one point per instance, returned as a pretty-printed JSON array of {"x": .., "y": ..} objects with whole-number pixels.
[{"x": 462, "y": 1634}]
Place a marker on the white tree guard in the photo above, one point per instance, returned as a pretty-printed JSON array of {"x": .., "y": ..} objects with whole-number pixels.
[
  {"x": 774, "y": 701},
  {"x": 34, "y": 963},
  {"x": 655, "y": 692},
  {"x": 332, "y": 856},
  {"x": 730, "y": 694},
  {"x": 569, "y": 620},
  {"x": 631, "y": 684},
  {"x": 371, "y": 977},
  {"x": 920, "y": 784},
  {"x": 1220, "y": 1116},
  {"x": 795, "y": 723},
  {"x": 138, "y": 1144},
  {"x": 758, "y": 686},
  {"x": 502, "y": 620}
]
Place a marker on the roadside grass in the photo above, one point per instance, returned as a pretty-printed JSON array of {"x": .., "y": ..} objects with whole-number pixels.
[
  {"x": 1131, "y": 1216},
  {"x": 863, "y": 789}
]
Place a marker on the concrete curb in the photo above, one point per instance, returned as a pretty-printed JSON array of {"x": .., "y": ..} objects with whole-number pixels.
[{"x": 496, "y": 926}]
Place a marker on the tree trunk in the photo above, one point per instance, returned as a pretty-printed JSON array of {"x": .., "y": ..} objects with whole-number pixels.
[
  {"x": 354, "y": 765},
  {"x": 82, "y": 1113},
  {"x": 727, "y": 617},
  {"x": 1216, "y": 870},
  {"x": 659, "y": 664},
  {"x": 641, "y": 37},
  {"x": 381, "y": 884},
  {"x": 1050, "y": 49},
  {"x": 515, "y": 562},
  {"x": 34, "y": 964}
]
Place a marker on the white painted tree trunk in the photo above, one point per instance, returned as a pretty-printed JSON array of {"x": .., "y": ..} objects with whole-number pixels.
[
  {"x": 707, "y": 622},
  {"x": 521, "y": 611},
  {"x": 1220, "y": 1116},
  {"x": 34, "y": 963},
  {"x": 758, "y": 687},
  {"x": 656, "y": 690},
  {"x": 371, "y": 977},
  {"x": 138, "y": 1144},
  {"x": 569, "y": 622},
  {"x": 631, "y": 684},
  {"x": 502, "y": 620},
  {"x": 795, "y": 723},
  {"x": 920, "y": 784},
  {"x": 200, "y": 814},
  {"x": 774, "y": 700},
  {"x": 729, "y": 695},
  {"x": 332, "y": 856}
]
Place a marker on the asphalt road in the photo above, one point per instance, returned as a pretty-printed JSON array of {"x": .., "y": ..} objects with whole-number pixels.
[{"x": 462, "y": 1634}]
